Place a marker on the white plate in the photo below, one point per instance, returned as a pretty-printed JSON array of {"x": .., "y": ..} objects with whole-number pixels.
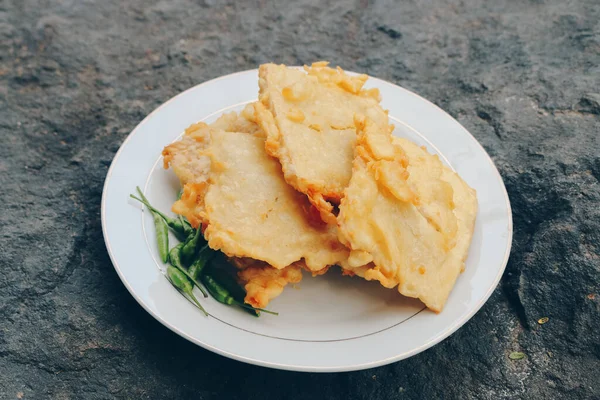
[{"x": 329, "y": 323}]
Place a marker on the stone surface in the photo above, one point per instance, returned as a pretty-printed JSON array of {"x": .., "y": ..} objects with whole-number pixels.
[{"x": 77, "y": 76}]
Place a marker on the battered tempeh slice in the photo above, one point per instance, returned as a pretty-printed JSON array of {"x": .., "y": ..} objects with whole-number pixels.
[
  {"x": 407, "y": 218},
  {"x": 308, "y": 118},
  {"x": 250, "y": 211},
  {"x": 192, "y": 167}
]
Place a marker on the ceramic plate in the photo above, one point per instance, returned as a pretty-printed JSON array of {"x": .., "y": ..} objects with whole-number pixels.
[{"x": 329, "y": 323}]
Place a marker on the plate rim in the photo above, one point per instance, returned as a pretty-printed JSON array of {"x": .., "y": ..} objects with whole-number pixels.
[{"x": 291, "y": 367}]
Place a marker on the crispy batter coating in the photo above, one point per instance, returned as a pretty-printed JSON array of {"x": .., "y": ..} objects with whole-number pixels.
[
  {"x": 404, "y": 219},
  {"x": 407, "y": 218},
  {"x": 192, "y": 166},
  {"x": 184, "y": 155},
  {"x": 195, "y": 161},
  {"x": 242, "y": 122},
  {"x": 252, "y": 212},
  {"x": 240, "y": 197},
  {"x": 308, "y": 118},
  {"x": 263, "y": 283}
]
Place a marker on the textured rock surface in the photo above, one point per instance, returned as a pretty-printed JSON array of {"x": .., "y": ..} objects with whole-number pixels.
[{"x": 77, "y": 76}]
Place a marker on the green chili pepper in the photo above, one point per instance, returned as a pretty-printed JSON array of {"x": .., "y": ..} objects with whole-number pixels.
[
  {"x": 195, "y": 270},
  {"x": 180, "y": 229},
  {"x": 162, "y": 234},
  {"x": 175, "y": 260},
  {"x": 225, "y": 274},
  {"x": 217, "y": 291},
  {"x": 162, "y": 237},
  {"x": 187, "y": 228},
  {"x": 191, "y": 246},
  {"x": 222, "y": 295},
  {"x": 177, "y": 225},
  {"x": 175, "y": 256},
  {"x": 200, "y": 263},
  {"x": 179, "y": 194},
  {"x": 181, "y": 282}
]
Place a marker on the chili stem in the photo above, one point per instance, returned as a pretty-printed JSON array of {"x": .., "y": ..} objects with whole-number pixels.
[
  {"x": 195, "y": 302},
  {"x": 249, "y": 307},
  {"x": 145, "y": 202},
  {"x": 192, "y": 279}
]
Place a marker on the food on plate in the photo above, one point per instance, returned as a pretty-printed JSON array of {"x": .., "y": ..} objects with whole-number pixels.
[
  {"x": 250, "y": 211},
  {"x": 244, "y": 204},
  {"x": 237, "y": 194},
  {"x": 406, "y": 217},
  {"x": 245, "y": 121},
  {"x": 263, "y": 283},
  {"x": 191, "y": 261},
  {"x": 185, "y": 156},
  {"x": 192, "y": 167},
  {"x": 180, "y": 227},
  {"x": 309, "y": 177},
  {"x": 224, "y": 296},
  {"x": 308, "y": 118},
  {"x": 183, "y": 284}
]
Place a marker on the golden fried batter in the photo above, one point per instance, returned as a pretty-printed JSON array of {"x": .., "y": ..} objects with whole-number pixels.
[
  {"x": 184, "y": 155},
  {"x": 309, "y": 122},
  {"x": 263, "y": 283},
  {"x": 192, "y": 167},
  {"x": 245, "y": 121},
  {"x": 407, "y": 218},
  {"x": 238, "y": 193},
  {"x": 251, "y": 211},
  {"x": 190, "y": 158}
]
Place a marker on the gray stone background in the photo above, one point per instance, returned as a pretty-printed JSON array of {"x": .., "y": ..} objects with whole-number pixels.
[{"x": 77, "y": 76}]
